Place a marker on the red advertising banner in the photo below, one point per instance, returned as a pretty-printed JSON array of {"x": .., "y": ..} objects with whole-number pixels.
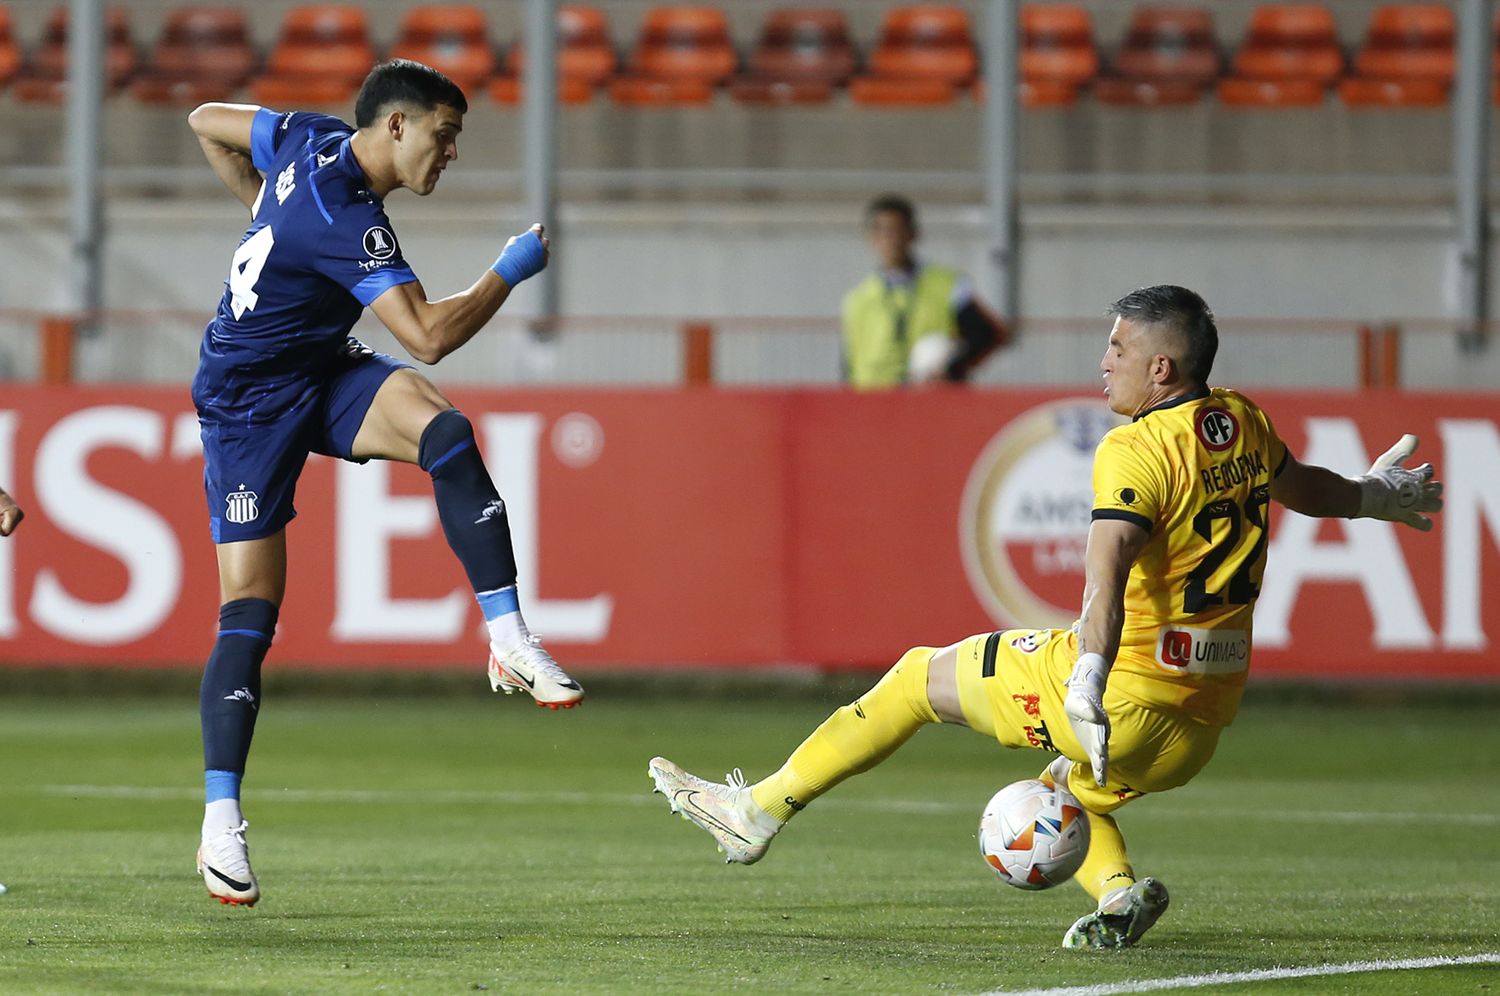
[{"x": 724, "y": 528}]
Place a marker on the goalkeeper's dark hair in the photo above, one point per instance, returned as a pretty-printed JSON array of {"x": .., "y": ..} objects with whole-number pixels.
[
  {"x": 894, "y": 204},
  {"x": 402, "y": 81},
  {"x": 1184, "y": 312}
]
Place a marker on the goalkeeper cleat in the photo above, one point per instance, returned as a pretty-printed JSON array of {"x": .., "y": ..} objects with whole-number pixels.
[
  {"x": 224, "y": 863},
  {"x": 732, "y": 818},
  {"x": 1122, "y": 917},
  {"x": 527, "y": 667}
]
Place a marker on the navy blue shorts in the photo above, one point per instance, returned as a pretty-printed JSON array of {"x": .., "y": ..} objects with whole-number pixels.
[{"x": 250, "y": 471}]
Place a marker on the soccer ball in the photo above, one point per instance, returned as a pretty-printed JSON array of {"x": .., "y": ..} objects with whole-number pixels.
[{"x": 1034, "y": 837}]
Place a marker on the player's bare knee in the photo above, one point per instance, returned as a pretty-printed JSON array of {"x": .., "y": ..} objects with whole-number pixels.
[
  {"x": 403, "y": 408},
  {"x": 942, "y": 683}
]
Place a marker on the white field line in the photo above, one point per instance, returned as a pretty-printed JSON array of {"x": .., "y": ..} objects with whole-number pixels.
[
  {"x": 1259, "y": 975},
  {"x": 646, "y": 798}
]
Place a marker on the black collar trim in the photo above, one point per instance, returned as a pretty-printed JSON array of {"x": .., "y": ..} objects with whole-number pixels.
[{"x": 1181, "y": 399}]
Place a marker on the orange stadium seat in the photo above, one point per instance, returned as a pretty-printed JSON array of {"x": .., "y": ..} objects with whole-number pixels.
[
  {"x": 1291, "y": 42},
  {"x": 322, "y": 56},
  {"x": 1057, "y": 45},
  {"x": 585, "y": 58},
  {"x": 204, "y": 54},
  {"x": 682, "y": 54},
  {"x": 1168, "y": 57},
  {"x": 1058, "y": 55},
  {"x": 1290, "y": 56},
  {"x": 1407, "y": 59},
  {"x": 43, "y": 77},
  {"x": 451, "y": 38},
  {"x": 802, "y": 56},
  {"x": 10, "y": 52},
  {"x": 685, "y": 43},
  {"x": 924, "y": 56}
]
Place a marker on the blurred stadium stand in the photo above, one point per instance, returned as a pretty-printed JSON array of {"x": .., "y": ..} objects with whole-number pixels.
[{"x": 1265, "y": 151}]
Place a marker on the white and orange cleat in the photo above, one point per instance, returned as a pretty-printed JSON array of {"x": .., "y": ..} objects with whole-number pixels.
[
  {"x": 527, "y": 667},
  {"x": 224, "y": 863}
]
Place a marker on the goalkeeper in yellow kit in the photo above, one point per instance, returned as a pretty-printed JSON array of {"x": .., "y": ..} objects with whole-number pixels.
[{"x": 1134, "y": 696}]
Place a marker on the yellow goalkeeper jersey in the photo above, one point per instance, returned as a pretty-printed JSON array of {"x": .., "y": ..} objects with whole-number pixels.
[{"x": 1195, "y": 473}]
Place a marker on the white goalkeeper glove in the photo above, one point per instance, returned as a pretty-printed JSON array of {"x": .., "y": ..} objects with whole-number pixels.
[
  {"x": 1084, "y": 707},
  {"x": 1393, "y": 493}
]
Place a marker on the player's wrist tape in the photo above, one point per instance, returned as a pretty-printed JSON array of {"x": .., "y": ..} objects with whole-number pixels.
[{"x": 523, "y": 256}]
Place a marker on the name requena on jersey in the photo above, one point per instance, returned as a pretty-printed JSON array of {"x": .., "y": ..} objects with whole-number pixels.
[{"x": 1229, "y": 473}]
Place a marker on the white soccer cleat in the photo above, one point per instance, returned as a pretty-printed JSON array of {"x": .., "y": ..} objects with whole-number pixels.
[
  {"x": 1122, "y": 917},
  {"x": 224, "y": 863},
  {"x": 731, "y": 817},
  {"x": 527, "y": 667}
]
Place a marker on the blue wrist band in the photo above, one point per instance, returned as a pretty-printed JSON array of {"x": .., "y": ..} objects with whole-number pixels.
[{"x": 522, "y": 258}]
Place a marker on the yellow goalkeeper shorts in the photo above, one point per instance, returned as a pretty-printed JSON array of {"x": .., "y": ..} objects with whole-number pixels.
[{"x": 1011, "y": 686}]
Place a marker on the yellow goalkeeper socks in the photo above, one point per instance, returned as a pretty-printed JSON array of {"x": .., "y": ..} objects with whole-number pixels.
[
  {"x": 1107, "y": 867},
  {"x": 855, "y": 738}
]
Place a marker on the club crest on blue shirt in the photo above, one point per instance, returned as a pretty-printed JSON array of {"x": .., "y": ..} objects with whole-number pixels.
[{"x": 241, "y": 506}]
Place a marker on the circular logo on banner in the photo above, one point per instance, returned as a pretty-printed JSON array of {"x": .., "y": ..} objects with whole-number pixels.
[
  {"x": 1217, "y": 428},
  {"x": 1025, "y": 516},
  {"x": 379, "y": 242}
]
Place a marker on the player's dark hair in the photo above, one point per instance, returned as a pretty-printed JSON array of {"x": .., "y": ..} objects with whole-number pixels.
[
  {"x": 402, "y": 81},
  {"x": 1182, "y": 310},
  {"x": 895, "y": 204}
]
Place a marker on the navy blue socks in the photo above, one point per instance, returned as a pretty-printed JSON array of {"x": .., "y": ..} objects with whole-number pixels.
[
  {"x": 229, "y": 699},
  {"x": 469, "y": 507}
]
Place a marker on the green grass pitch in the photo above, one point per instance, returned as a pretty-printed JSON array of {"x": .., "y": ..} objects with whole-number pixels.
[{"x": 471, "y": 843}]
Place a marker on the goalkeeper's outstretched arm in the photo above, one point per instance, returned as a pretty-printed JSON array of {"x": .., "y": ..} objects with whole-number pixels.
[{"x": 1388, "y": 491}]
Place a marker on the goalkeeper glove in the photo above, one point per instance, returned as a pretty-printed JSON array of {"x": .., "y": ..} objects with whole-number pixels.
[
  {"x": 1084, "y": 707},
  {"x": 523, "y": 256},
  {"x": 1394, "y": 493}
]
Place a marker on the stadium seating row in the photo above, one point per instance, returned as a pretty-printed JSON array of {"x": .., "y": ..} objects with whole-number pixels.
[{"x": 925, "y": 56}]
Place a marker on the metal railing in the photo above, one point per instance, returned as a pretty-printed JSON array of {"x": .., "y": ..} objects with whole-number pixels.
[{"x": 161, "y": 346}]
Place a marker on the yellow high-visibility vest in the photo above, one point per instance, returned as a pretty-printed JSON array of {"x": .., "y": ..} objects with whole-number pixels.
[{"x": 881, "y": 322}]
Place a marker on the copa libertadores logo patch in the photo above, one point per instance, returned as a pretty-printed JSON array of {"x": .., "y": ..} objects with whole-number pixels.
[
  {"x": 1024, "y": 520},
  {"x": 379, "y": 242},
  {"x": 241, "y": 506}
]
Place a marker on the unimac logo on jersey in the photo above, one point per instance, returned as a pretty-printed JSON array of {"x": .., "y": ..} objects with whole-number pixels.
[
  {"x": 379, "y": 242},
  {"x": 1187, "y": 650},
  {"x": 1217, "y": 428}
]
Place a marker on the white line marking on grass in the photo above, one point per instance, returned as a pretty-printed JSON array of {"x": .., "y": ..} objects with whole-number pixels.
[
  {"x": 645, "y": 798},
  {"x": 1259, "y": 975}
]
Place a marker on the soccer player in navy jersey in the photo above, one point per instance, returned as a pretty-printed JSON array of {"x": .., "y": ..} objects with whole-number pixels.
[{"x": 280, "y": 377}]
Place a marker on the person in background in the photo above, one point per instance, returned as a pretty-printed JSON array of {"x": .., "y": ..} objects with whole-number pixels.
[{"x": 911, "y": 322}]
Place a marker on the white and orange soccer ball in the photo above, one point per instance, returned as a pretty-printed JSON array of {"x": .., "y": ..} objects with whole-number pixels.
[{"x": 1034, "y": 836}]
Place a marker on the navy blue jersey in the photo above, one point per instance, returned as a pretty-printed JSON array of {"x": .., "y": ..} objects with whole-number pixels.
[{"x": 318, "y": 250}]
